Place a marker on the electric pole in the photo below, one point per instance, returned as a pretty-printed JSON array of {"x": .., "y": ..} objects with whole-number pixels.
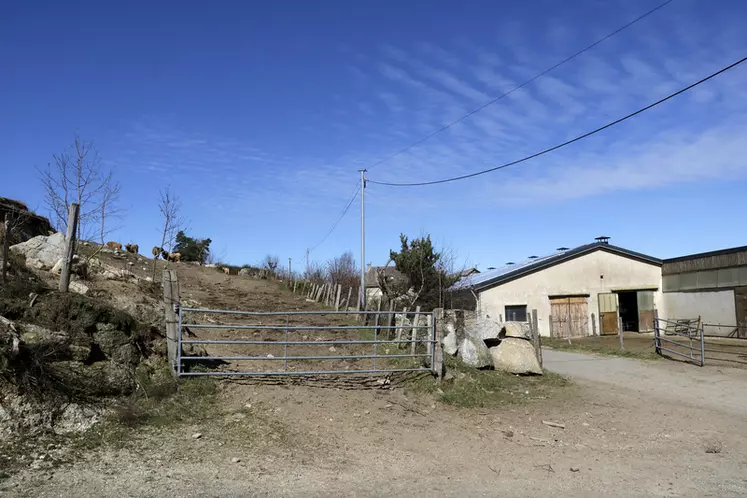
[{"x": 363, "y": 240}]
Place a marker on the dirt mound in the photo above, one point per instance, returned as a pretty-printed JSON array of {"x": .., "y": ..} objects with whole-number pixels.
[{"x": 59, "y": 350}]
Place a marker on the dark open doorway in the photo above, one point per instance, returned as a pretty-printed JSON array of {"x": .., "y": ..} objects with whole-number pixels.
[{"x": 629, "y": 310}]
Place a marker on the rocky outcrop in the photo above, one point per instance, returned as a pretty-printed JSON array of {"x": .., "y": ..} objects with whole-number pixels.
[
  {"x": 42, "y": 252},
  {"x": 26, "y": 224},
  {"x": 483, "y": 343}
]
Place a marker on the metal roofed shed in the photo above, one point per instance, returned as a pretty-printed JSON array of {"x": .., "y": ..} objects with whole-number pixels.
[{"x": 576, "y": 292}]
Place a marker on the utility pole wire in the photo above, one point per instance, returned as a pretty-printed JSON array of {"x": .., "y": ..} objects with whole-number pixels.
[
  {"x": 522, "y": 85},
  {"x": 337, "y": 222},
  {"x": 569, "y": 142}
]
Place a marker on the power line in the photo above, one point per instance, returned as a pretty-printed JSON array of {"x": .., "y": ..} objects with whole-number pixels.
[
  {"x": 337, "y": 222},
  {"x": 522, "y": 85},
  {"x": 559, "y": 146}
]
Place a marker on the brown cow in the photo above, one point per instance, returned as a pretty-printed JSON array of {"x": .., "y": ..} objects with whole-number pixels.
[
  {"x": 132, "y": 248},
  {"x": 114, "y": 245}
]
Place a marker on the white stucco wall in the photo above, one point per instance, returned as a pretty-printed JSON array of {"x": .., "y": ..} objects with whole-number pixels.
[
  {"x": 714, "y": 307},
  {"x": 577, "y": 276}
]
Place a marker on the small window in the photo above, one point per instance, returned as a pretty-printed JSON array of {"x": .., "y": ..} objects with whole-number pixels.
[{"x": 516, "y": 313}]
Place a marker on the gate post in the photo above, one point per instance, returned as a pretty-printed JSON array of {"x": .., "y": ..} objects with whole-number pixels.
[
  {"x": 622, "y": 332},
  {"x": 534, "y": 326},
  {"x": 438, "y": 335},
  {"x": 173, "y": 336},
  {"x": 657, "y": 342}
]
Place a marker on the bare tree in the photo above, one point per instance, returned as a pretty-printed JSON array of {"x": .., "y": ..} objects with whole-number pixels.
[
  {"x": 342, "y": 270},
  {"x": 170, "y": 207},
  {"x": 271, "y": 263},
  {"x": 78, "y": 176}
]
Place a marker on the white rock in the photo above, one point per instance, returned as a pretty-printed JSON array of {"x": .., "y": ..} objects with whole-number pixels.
[
  {"x": 449, "y": 343},
  {"x": 332, "y": 349},
  {"x": 516, "y": 356},
  {"x": 520, "y": 330},
  {"x": 42, "y": 251},
  {"x": 196, "y": 435},
  {"x": 235, "y": 460},
  {"x": 78, "y": 287},
  {"x": 475, "y": 353}
]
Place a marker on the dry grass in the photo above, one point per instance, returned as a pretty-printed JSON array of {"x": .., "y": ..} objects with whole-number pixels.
[
  {"x": 635, "y": 345},
  {"x": 473, "y": 388}
]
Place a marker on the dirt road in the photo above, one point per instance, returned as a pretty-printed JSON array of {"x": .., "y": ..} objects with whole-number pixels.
[{"x": 719, "y": 389}]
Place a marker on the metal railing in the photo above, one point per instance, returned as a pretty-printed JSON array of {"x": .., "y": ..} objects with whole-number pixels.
[
  {"x": 360, "y": 345},
  {"x": 686, "y": 334}
]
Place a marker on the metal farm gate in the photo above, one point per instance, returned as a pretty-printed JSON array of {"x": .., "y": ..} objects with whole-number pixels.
[
  {"x": 683, "y": 338},
  {"x": 304, "y": 343}
]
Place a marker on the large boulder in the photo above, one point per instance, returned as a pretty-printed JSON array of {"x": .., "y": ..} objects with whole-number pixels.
[
  {"x": 450, "y": 344},
  {"x": 515, "y": 356},
  {"x": 520, "y": 330},
  {"x": 42, "y": 252},
  {"x": 475, "y": 353},
  {"x": 483, "y": 328}
]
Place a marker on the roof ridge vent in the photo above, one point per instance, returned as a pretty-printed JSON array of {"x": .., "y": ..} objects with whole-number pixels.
[{"x": 603, "y": 239}]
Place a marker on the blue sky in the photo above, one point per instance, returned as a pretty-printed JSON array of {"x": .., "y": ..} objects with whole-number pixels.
[{"x": 260, "y": 114}]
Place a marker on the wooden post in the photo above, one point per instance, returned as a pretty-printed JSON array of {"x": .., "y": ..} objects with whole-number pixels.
[
  {"x": 439, "y": 366},
  {"x": 622, "y": 332},
  {"x": 401, "y": 326},
  {"x": 337, "y": 299},
  {"x": 378, "y": 316},
  {"x": 536, "y": 336},
  {"x": 6, "y": 245},
  {"x": 295, "y": 283},
  {"x": 429, "y": 337},
  {"x": 67, "y": 257},
  {"x": 170, "y": 299},
  {"x": 657, "y": 332},
  {"x": 593, "y": 325},
  {"x": 390, "y": 321},
  {"x": 549, "y": 323},
  {"x": 347, "y": 303},
  {"x": 414, "y": 335}
]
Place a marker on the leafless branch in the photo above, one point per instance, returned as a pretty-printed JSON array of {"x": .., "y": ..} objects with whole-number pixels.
[{"x": 78, "y": 175}]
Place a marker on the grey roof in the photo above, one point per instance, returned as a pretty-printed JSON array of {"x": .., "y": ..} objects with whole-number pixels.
[
  {"x": 480, "y": 281},
  {"x": 372, "y": 275}
]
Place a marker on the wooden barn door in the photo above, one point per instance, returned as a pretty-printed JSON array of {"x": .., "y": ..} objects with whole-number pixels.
[
  {"x": 570, "y": 317},
  {"x": 645, "y": 311},
  {"x": 608, "y": 314}
]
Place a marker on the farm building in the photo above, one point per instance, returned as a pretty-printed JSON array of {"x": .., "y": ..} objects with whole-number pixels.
[
  {"x": 576, "y": 292},
  {"x": 710, "y": 285},
  {"x": 378, "y": 275}
]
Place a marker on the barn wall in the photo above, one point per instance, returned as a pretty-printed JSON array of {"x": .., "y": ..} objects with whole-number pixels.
[
  {"x": 714, "y": 307},
  {"x": 577, "y": 276}
]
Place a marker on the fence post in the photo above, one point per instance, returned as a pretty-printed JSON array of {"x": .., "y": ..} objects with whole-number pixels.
[
  {"x": 702, "y": 342},
  {"x": 622, "y": 332},
  {"x": 400, "y": 322},
  {"x": 390, "y": 321},
  {"x": 171, "y": 301},
  {"x": 295, "y": 283},
  {"x": 347, "y": 302},
  {"x": 593, "y": 325},
  {"x": 549, "y": 323},
  {"x": 67, "y": 257},
  {"x": 657, "y": 342},
  {"x": 414, "y": 334},
  {"x": 6, "y": 244},
  {"x": 337, "y": 299},
  {"x": 536, "y": 336},
  {"x": 438, "y": 360},
  {"x": 378, "y": 316}
]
